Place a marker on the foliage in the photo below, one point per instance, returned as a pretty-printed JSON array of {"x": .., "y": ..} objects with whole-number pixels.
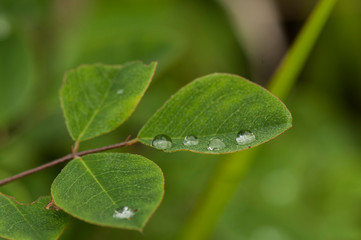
[
  {"x": 218, "y": 106},
  {"x": 94, "y": 188},
  {"x": 123, "y": 190},
  {"x": 33, "y": 221},
  {"x": 303, "y": 185},
  {"x": 97, "y": 99}
]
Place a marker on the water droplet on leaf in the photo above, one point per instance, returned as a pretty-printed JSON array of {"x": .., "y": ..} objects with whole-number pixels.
[
  {"x": 190, "y": 140},
  {"x": 245, "y": 137},
  {"x": 216, "y": 144},
  {"x": 162, "y": 142},
  {"x": 120, "y": 91},
  {"x": 123, "y": 213}
]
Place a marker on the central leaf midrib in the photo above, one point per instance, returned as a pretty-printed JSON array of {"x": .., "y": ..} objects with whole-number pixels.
[
  {"x": 97, "y": 181},
  {"x": 96, "y": 111}
]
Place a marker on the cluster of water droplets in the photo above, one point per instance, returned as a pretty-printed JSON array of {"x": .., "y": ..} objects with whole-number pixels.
[
  {"x": 124, "y": 213},
  {"x": 164, "y": 142}
]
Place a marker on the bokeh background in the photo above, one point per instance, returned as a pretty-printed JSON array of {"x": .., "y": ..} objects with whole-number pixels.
[{"x": 305, "y": 184}]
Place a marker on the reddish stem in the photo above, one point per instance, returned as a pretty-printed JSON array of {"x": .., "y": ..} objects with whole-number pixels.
[{"x": 68, "y": 157}]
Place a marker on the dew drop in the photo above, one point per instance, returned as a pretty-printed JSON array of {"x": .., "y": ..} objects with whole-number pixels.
[
  {"x": 245, "y": 137},
  {"x": 124, "y": 213},
  {"x": 120, "y": 91},
  {"x": 216, "y": 144},
  {"x": 190, "y": 140},
  {"x": 162, "y": 142}
]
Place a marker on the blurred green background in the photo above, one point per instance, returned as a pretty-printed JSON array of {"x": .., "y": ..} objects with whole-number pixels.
[{"x": 305, "y": 184}]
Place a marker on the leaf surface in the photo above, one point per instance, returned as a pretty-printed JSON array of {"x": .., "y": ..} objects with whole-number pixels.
[
  {"x": 96, "y": 99},
  {"x": 33, "y": 221},
  {"x": 110, "y": 189},
  {"x": 218, "y": 106}
]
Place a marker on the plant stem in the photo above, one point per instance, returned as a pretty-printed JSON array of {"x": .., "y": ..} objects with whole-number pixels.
[
  {"x": 292, "y": 64},
  {"x": 225, "y": 180},
  {"x": 68, "y": 157},
  {"x": 233, "y": 168}
]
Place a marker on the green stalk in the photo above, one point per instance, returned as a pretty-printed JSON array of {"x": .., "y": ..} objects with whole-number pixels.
[
  {"x": 286, "y": 75},
  {"x": 234, "y": 167},
  {"x": 225, "y": 180}
]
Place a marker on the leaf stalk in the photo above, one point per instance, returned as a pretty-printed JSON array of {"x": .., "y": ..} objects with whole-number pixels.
[{"x": 66, "y": 158}]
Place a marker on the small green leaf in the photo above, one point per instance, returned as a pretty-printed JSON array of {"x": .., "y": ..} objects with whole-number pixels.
[
  {"x": 218, "y": 113},
  {"x": 96, "y": 99},
  {"x": 110, "y": 189},
  {"x": 33, "y": 221}
]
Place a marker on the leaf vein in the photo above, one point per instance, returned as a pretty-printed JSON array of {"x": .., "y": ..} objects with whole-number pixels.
[
  {"x": 97, "y": 110},
  {"x": 97, "y": 181},
  {"x": 26, "y": 220}
]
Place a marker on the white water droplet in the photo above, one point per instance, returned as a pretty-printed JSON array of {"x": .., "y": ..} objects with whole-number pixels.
[
  {"x": 245, "y": 137},
  {"x": 162, "y": 142},
  {"x": 190, "y": 140},
  {"x": 123, "y": 213},
  {"x": 216, "y": 144},
  {"x": 5, "y": 27},
  {"x": 120, "y": 91}
]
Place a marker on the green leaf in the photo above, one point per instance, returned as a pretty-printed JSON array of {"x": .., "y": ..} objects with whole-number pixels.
[
  {"x": 96, "y": 99},
  {"x": 99, "y": 187},
  {"x": 218, "y": 106},
  {"x": 33, "y": 221}
]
